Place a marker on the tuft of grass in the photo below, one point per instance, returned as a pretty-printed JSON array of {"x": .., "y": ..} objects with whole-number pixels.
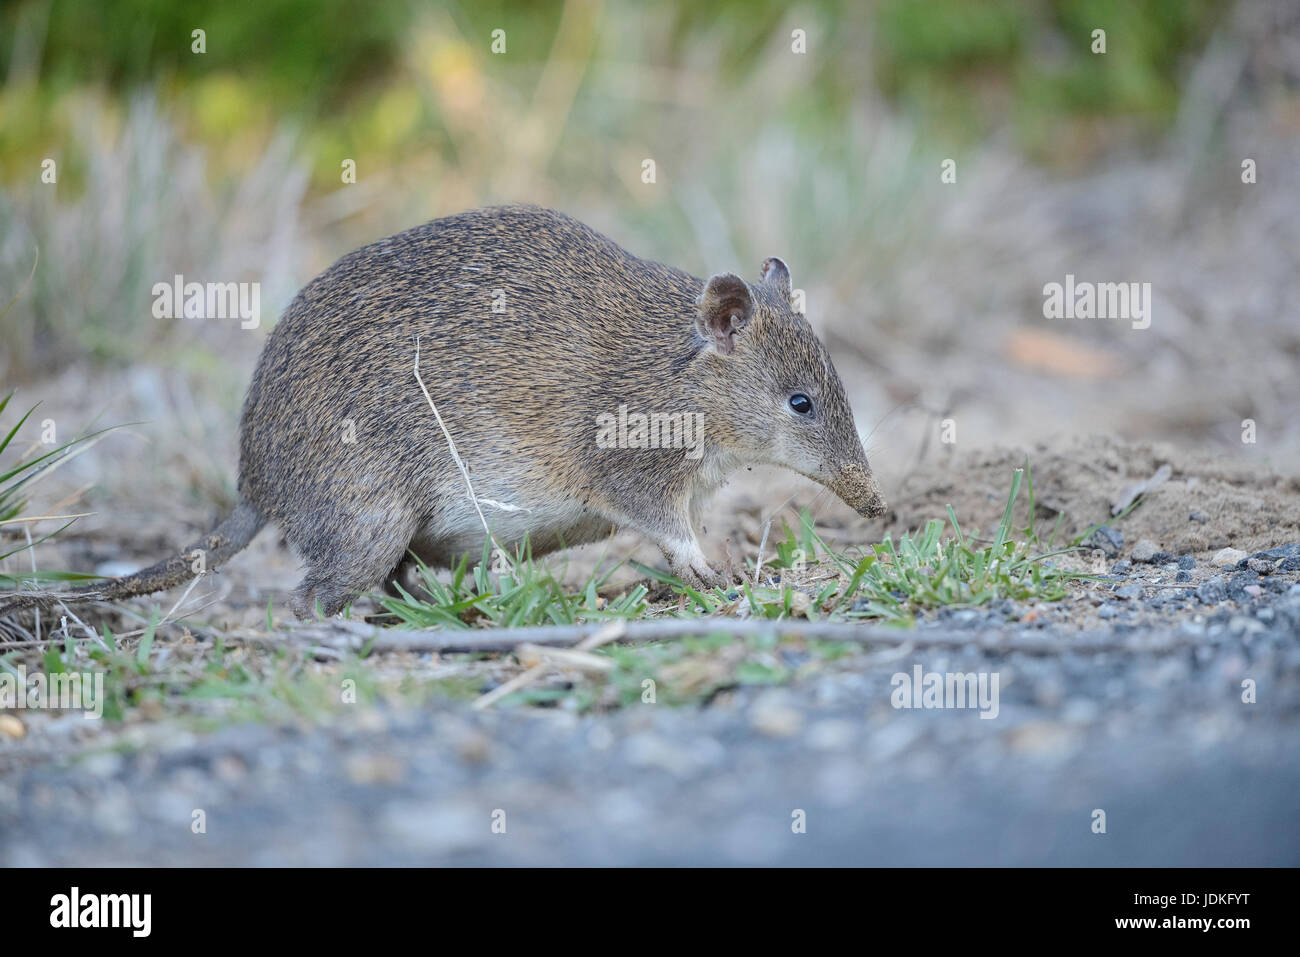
[
  {"x": 527, "y": 594},
  {"x": 16, "y": 481},
  {"x": 794, "y": 549},
  {"x": 925, "y": 570}
]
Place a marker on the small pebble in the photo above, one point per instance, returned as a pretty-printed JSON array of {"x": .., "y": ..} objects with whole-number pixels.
[
  {"x": 103, "y": 765},
  {"x": 1291, "y": 550},
  {"x": 1109, "y": 540},
  {"x": 1196, "y": 515},
  {"x": 1238, "y": 584},
  {"x": 1187, "y": 562},
  {"x": 832, "y": 735},
  {"x": 117, "y": 569},
  {"x": 1226, "y": 557},
  {"x": 1241, "y": 625},
  {"x": 1212, "y": 591},
  {"x": 775, "y": 716},
  {"x": 1128, "y": 592},
  {"x": 1145, "y": 550}
]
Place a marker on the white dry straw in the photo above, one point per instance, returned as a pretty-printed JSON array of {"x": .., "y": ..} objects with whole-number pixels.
[
  {"x": 758, "y": 565},
  {"x": 464, "y": 472}
]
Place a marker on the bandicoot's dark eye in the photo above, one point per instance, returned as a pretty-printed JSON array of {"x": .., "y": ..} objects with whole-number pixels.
[{"x": 801, "y": 403}]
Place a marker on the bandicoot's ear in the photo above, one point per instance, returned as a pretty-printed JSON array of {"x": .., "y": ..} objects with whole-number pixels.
[
  {"x": 726, "y": 307},
  {"x": 776, "y": 276}
]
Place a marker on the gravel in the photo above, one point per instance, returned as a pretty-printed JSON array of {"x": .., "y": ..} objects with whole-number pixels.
[
  {"x": 1212, "y": 591},
  {"x": 1183, "y": 730}
]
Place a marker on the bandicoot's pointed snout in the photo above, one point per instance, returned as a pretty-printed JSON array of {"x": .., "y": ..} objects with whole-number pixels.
[
  {"x": 873, "y": 507},
  {"x": 858, "y": 490}
]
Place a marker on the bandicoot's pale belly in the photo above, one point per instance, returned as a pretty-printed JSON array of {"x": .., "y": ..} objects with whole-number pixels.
[{"x": 459, "y": 530}]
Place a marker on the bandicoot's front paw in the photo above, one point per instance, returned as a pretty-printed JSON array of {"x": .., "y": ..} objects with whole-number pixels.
[
  {"x": 700, "y": 574},
  {"x": 688, "y": 563}
]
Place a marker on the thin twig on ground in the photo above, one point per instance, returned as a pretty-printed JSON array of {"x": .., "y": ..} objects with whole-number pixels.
[{"x": 358, "y": 635}]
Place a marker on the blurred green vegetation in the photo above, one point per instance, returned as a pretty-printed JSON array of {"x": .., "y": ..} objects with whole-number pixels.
[
  {"x": 228, "y": 162},
  {"x": 965, "y": 66},
  {"x": 347, "y": 72}
]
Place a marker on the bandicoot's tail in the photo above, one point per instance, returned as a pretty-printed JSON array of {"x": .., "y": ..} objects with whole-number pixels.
[{"x": 210, "y": 551}]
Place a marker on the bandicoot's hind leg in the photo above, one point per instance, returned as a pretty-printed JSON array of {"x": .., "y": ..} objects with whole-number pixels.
[
  {"x": 398, "y": 576},
  {"x": 349, "y": 568}
]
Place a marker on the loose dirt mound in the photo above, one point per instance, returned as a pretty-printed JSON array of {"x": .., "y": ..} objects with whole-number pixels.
[{"x": 1207, "y": 502}]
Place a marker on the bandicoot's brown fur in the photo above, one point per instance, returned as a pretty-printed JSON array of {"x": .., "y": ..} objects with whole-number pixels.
[{"x": 533, "y": 330}]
